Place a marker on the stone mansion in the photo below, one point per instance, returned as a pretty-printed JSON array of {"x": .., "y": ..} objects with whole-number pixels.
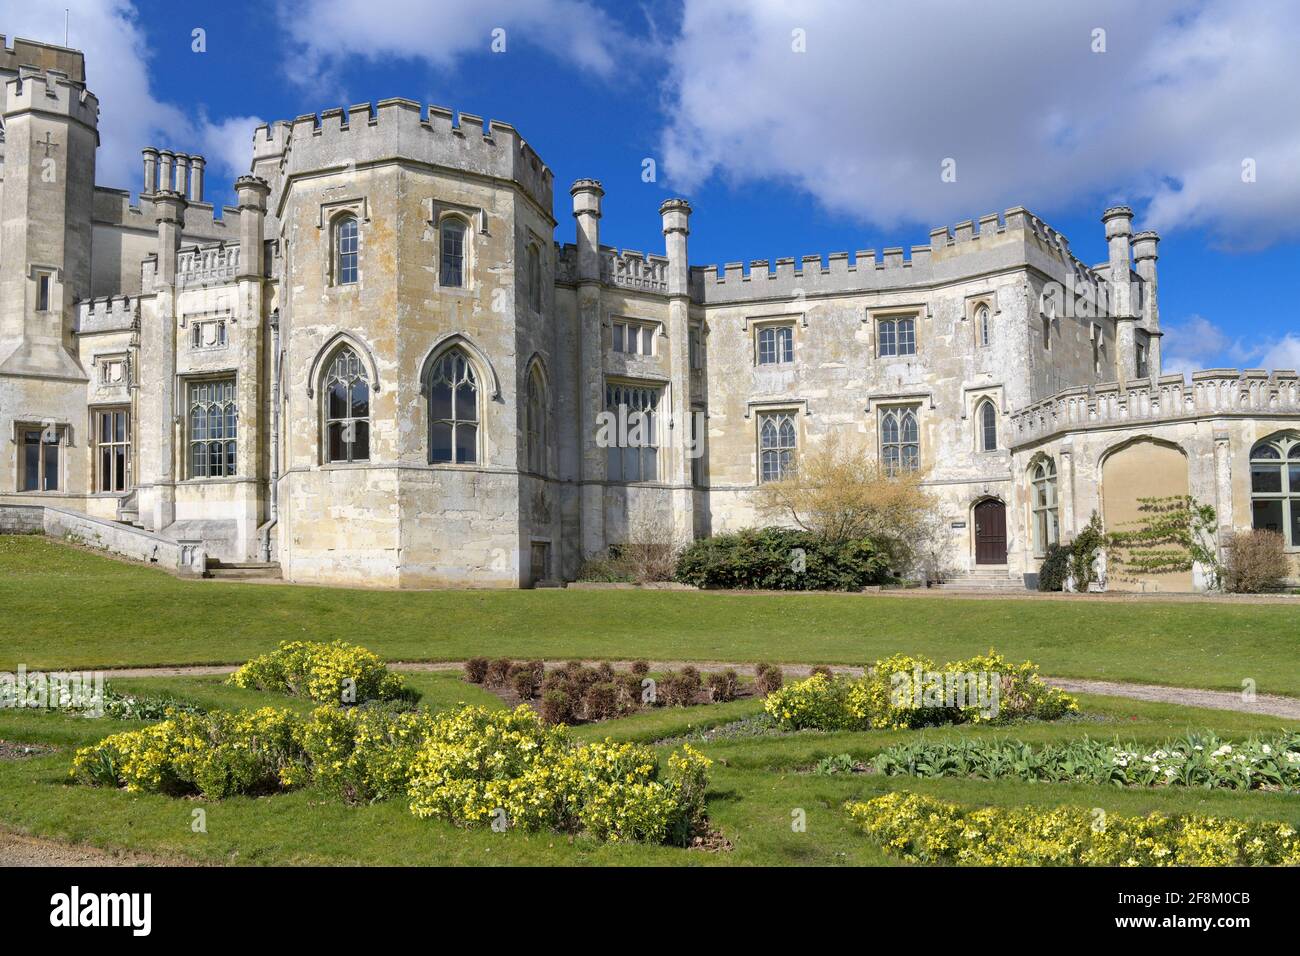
[{"x": 381, "y": 369}]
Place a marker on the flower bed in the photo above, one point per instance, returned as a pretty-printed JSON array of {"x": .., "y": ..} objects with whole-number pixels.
[
  {"x": 925, "y": 830},
  {"x": 1194, "y": 761},
  {"x": 902, "y": 692},
  {"x": 329, "y": 673},
  {"x": 470, "y": 767}
]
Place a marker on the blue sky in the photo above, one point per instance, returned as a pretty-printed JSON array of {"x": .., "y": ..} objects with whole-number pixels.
[{"x": 793, "y": 128}]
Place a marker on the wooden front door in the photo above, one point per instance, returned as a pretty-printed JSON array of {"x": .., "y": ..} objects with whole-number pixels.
[{"x": 990, "y": 532}]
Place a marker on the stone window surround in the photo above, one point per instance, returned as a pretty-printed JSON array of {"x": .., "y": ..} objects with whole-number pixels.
[
  {"x": 102, "y": 361},
  {"x": 437, "y": 211},
  {"x": 1050, "y": 511},
  {"x": 759, "y": 324},
  {"x": 907, "y": 310},
  {"x": 63, "y": 428},
  {"x": 184, "y": 382},
  {"x": 658, "y": 331},
  {"x": 793, "y": 412},
  {"x": 899, "y": 405},
  {"x": 536, "y": 372},
  {"x": 327, "y": 220},
  {"x": 94, "y": 432},
  {"x": 974, "y": 302},
  {"x": 1284, "y": 441},
  {"x": 663, "y": 421},
  {"x": 536, "y": 298}
]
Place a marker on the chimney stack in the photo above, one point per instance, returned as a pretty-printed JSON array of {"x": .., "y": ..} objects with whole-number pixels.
[
  {"x": 586, "y": 210},
  {"x": 150, "y": 171},
  {"x": 676, "y": 214},
  {"x": 196, "y": 178}
]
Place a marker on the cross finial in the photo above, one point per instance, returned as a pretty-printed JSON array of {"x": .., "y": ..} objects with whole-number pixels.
[{"x": 47, "y": 143}]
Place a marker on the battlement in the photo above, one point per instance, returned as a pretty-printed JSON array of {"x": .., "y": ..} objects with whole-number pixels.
[
  {"x": 114, "y": 313},
  {"x": 967, "y": 247},
  {"x": 41, "y": 57},
  {"x": 1217, "y": 391},
  {"x": 338, "y": 138},
  {"x": 114, "y": 207},
  {"x": 51, "y": 92}
]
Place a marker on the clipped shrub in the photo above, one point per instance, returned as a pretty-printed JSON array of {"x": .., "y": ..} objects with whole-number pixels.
[
  {"x": 539, "y": 671},
  {"x": 1055, "y": 568},
  {"x": 724, "y": 686},
  {"x": 1256, "y": 561},
  {"x": 781, "y": 559},
  {"x": 557, "y": 707},
  {"x": 629, "y": 689},
  {"x": 600, "y": 702},
  {"x": 329, "y": 673},
  {"x": 605, "y": 671},
  {"x": 823, "y": 670},
  {"x": 522, "y": 683},
  {"x": 555, "y": 680},
  {"x": 640, "y": 668},
  {"x": 498, "y": 672},
  {"x": 679, "y": 688},
  {"x": 921, "y": 829},
  {"x": 476, "y": 669},
  {"x": 769, "y": 679}
]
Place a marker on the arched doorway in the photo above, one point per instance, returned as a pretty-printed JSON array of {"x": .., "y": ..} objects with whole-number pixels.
[
  {"x": 1141, "y": 468},
  {"x": 990, "y": 532}
]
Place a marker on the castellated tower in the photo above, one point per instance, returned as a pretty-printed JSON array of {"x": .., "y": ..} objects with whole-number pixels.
[
  {"x": 419, "y": 249},
  {"x": 50, "y": 136}
]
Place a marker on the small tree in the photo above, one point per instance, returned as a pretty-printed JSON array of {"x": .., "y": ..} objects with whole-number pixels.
[
  {"x": 1256, "y": 561},
  {"x": 840, "y": 492}
]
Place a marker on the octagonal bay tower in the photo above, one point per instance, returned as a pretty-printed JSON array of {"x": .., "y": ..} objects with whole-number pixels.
[{"x": 417, "y": 271}]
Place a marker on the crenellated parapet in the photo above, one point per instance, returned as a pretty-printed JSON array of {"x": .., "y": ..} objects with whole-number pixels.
[
  {"x": 114, "y": 207},
  {"x": 52, "y": 92},
  {"x": 114, "y": 313},
  {"x": 1213, "y": 392},
  {"x": 401, "y": 128},
  {"x": 41, "y": 57},
  {"x": 994, "y": 241}
]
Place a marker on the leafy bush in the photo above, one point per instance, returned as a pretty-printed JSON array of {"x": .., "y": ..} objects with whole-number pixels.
[
  {"x": 476, "y": 669},
  {"x": 498, "y": 672},
  {"x": 557, "y": 707},
  {"x": 723, "y": 686},
  {"x": 768, "y": 679},
  {"x": 600, "y": 702},
  {"x": 781, "y": 559},
  {"x": 337, "y": 672},
  {"x": 1198, "y": 760},
  {"x": 679, "y": 689},
  {"x": 903, "y": 692},
  {"x": 921, "y": 829},
  {"x": 463, "y": 766},
  {"x": 604, "y": 570},
  {"x": 217, "y": 755},
  {"x": 1055, "y": 568},
  {"x": 524, "y": 683},
  {"x": 1256, "y": 561},
  {"x": 362, "y": 754},
  {"x": 480, "y": 767}
]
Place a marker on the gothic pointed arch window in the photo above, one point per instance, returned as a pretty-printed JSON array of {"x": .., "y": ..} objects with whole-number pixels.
[
  {"x": 452, "y": 252},
  {"x": 453, "y": 410},
  {"x": 983, "y": 327},
  {"x": 900, "y": 448},
  {"x": 1275, "y": 486},
  {"x": 346, "y": 249},
  {"x": 536, "y": 415},
  {"x": 987, "y": 419},
  {"x": 534, "y": 278},
  {"x": 776, "y": 445},
  {"x": 345, "y": 397},
  {"x": 1042, "y": 478}
]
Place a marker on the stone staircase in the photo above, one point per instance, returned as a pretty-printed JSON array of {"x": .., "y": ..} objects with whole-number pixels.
[
  {"x": 243, "y": 570},
  {"x": 995, "y": 579}
]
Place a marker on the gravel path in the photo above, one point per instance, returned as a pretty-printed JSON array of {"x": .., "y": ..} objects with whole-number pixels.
[
  {"x": 1272, "y": 705},
  {"x": 17, "y": 849}
]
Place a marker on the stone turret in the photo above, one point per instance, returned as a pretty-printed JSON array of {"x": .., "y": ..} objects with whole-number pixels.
[
  {"x": 1144, "y": 257},
  {"x": 1119, "y": 229},
  {"x": 676, "y": 215},
  {"x": 587, "y": 194}
]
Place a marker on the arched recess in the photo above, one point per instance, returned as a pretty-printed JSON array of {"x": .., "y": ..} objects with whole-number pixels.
[
  {"x": 1141, "y": 467},
  {"x": 326, "y": 353},
  {"x": 537, "y": 416},
  {"x": 486, "y": 370}
]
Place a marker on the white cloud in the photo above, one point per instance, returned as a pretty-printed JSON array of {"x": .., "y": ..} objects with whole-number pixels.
[
  {"x": 327, "y": 32},
  {"x": 1197, "y": 343},
  {"x": 1012, "y": 91},
  {"x": 131, "y": 115}
]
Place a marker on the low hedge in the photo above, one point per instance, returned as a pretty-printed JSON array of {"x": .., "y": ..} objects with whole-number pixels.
[
  {"x": 921, "y": 829},
  {"x": 901, "y": 692},
  {"x": 781, "y": 559},
  {"x": 327, "y": 673},
  {"x": 1197, "y": 760},
  {"x": 470, "y": 767}
]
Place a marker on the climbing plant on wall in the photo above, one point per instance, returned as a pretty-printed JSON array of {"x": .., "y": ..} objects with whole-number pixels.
[{"x": 1173, "y": 534}]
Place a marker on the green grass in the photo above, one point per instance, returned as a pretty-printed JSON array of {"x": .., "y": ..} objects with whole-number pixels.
[
  {"x": 756, "y": 784},
  {"x": 67, "y": 608}
]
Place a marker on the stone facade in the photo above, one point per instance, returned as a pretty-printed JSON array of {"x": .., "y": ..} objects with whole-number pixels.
[{"x": 379, "y": 368}]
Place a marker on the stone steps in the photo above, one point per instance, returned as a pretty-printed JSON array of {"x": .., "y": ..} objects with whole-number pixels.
[
  {"x": 984, "y": 579},
  {"x": 243, "y": 570}
]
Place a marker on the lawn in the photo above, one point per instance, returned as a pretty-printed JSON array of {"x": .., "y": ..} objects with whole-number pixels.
[
  {"x": 756, "y": 785},
  {"x": 64, "y": 607}
]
